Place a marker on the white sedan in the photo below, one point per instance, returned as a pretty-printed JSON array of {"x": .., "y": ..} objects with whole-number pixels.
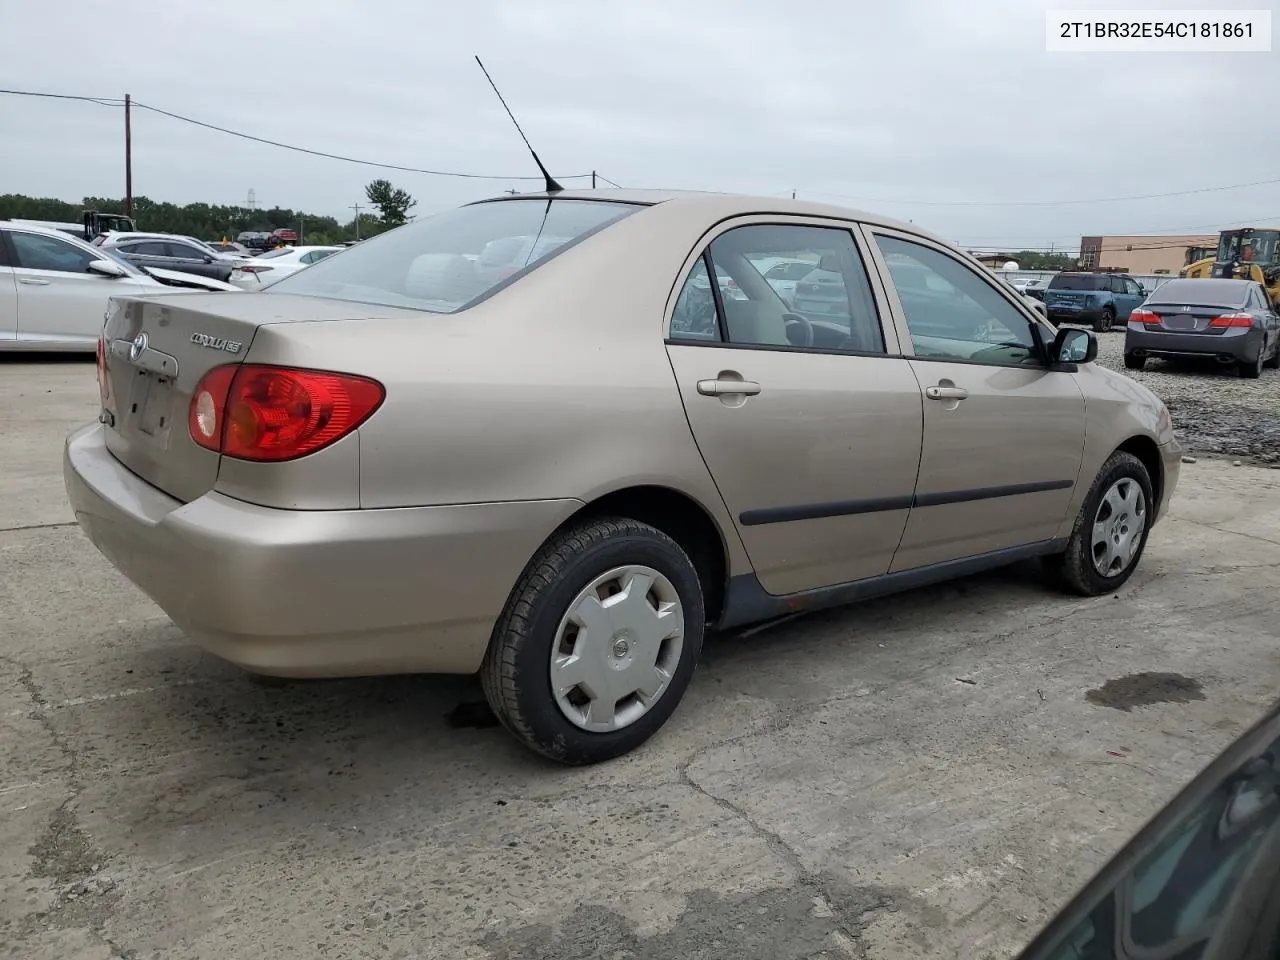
[
  {"x": 275, "y": 264},
  {"x": 54, "y": 288}
]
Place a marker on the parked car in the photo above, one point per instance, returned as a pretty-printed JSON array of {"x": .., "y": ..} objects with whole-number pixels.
[
  {"x": 1200, "y": 880},
  {"x": 228, "y": 247},
  {"x": 783, "y": 275},
  {"x": 1036, "y": 288},
  {"x": 275, "y": 264},
  {"x": 54, "y": 288},
  {"x": 1229, "y": 320},
  {"x": 530, "y": 476},
  {"x": 258, "y": 240},
  {"x": 172, "y": 253},
  {"x": 1098, "y": 299}
]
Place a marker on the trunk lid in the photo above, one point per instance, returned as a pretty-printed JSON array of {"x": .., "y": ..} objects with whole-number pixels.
[
  {"x": 157, "y": 348},
  {"x": 1189, "y": 318}
]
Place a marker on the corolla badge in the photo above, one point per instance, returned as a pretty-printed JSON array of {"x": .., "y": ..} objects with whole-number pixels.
[
  {"x": 138, "y": 346},
  {"x": 216, "y": 343}
]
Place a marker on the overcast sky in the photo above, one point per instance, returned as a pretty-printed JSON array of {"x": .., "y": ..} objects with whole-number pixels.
[{"x": 873, "y": 104}]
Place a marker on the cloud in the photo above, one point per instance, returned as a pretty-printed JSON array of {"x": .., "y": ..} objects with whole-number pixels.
[{"x": 916, "y": 100}]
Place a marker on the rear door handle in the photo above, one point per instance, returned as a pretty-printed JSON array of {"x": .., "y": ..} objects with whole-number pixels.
[
  {"x": 34, "y": 281},
  {"x": 946, "y": 393},
  {"x": 728, "y": 388}
]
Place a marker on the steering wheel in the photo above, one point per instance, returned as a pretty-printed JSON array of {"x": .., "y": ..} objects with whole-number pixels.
[{"x": 795, "y": 321}]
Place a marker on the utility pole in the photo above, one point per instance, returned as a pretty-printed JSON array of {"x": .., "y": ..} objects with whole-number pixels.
[
  {"x": 128, "y": 156},
  {"x": 793, "y": 194},
  {"x": 593, "y": 179},
  {"x": 356, "y": 208}
]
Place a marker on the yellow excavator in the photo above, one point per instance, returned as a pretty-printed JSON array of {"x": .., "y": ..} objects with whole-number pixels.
[{"x": 1243, "y": 254}]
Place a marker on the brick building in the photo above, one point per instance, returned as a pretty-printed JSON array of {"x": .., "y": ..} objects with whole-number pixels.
[{"x": 1149, "y": 254}]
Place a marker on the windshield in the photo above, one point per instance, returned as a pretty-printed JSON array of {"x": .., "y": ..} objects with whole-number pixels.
[
  {"x": 1080, "y": 281},
  {"x": 1256, "y": 245},
  {"x": 443, "y": 263}
]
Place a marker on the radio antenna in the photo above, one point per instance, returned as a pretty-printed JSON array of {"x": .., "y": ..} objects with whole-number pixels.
[{"x": 552, "y": 185}]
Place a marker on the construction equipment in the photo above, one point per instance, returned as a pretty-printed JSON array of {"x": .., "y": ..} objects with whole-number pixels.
[{"x": 1246, "y": 253}]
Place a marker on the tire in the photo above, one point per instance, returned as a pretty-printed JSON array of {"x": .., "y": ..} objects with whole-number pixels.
[
  {"x": 1274, "y": 362},
  {"x": 1074, "y": 569},
  {"x": 1132, "y": 362},
  {"x": 1104, "y": 323},
  {"x": 1252, "y": 369},
  {"x": 517, "y": 669}
]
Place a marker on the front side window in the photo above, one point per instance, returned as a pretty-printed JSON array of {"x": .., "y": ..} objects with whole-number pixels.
[
  {"x": 832, "y": 307},
  {"x": 38, "y": 252},
  {"x": 951, "y": 312},
  {"x": 185, "y": 251},
  {"x": 1131, "y": 287},
  {"x": 444, "y": 263}
]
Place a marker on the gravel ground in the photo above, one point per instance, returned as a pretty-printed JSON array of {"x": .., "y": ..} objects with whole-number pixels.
[{"x": 1214, "y": 410}]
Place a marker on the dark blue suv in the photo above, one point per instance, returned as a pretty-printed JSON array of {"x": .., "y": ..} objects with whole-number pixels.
[{"x": 1096, "y": 299}]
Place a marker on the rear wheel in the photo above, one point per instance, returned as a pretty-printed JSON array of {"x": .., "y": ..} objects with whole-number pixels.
[
  {"x": 1110, "y": 532},
  {"x": 1252, "y": 369},
  {"x": 1104, "y": 323},
  {"x": 597, "y": 643},
  {"x": 1134, "y": 362}
]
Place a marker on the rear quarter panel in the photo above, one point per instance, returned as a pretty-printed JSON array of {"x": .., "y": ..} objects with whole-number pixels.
[{"x": 558, "y": 386}]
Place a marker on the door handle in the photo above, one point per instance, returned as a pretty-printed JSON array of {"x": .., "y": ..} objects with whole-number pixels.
[
  {"x": 946, "y": 393},
  {"x": 728, "y": 388},
  {"x": 34, "y": 281}
]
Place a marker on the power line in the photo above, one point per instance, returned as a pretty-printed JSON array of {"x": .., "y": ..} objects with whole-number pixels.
[
  {"x": 1048, "y": 203},
  {"x": 104, "y": 101},
  {"x": 608, "y": 181}
]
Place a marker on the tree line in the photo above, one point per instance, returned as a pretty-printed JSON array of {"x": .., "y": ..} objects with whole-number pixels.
[{"x": 214, "y": 221}]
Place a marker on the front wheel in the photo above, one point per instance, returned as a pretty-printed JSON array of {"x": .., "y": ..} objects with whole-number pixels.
[
  {"x": 597, "y": 643},
  {"x": 1110, "y": 532},
  {"x": 1105, "y": 321}
]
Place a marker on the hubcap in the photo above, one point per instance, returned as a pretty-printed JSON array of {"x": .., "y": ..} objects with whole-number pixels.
[
  {"x": 617, "y": 648},
  {"x": 1118, "y": 527}
]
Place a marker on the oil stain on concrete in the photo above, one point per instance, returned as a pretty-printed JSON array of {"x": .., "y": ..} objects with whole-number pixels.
[
  {"x": 1144, "y": 690},
  {"x": 800, "y": 923}
]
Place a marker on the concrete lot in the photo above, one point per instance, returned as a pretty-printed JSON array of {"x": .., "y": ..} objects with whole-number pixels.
[{"x": 921, "y": 776}]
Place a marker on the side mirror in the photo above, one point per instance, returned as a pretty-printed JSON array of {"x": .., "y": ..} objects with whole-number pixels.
[
  {"x": 107, "y": 268},
  {"x": 1073, "y": 345},
  {"x": 208, "y": 259}
]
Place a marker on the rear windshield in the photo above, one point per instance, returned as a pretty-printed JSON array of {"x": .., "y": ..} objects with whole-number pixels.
[
  {"x": 446, "y": 262},
  {"x": 1209, "y": 293},
  {"x": 1080, "y": 281}
]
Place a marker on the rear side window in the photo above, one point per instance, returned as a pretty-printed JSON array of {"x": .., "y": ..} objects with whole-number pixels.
[
  {"x": 831, "y": 306},
  {"x": 1079, "y": 281},
  {"x": 445, "y": 263}
]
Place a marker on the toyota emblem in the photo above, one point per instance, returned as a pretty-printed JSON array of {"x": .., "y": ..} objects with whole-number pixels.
[{"x": 139, "y": 344}]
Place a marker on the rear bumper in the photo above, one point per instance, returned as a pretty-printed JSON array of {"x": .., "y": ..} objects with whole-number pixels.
[
  {"x": 1234, "y": 344},
  {"x": 1059, "y": 314},
  {"x": 311, "y": 593}
]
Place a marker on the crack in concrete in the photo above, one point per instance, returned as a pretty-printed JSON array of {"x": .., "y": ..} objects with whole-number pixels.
[
  {"x": 851, "y": 914},
  {"x": 63, "y": 851},
  {"x": 1218, "y": 529},
  {"x": 39, "y": 526}
]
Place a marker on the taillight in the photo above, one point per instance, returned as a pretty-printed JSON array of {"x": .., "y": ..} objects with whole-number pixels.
[
  {"x": 251, "y": 268},
  {"x": 104, "y": 385},
  {"x": 266, "y": 413},
  {"x": 1232, "y": 320},
  {"x": 1145, "y": 317}
]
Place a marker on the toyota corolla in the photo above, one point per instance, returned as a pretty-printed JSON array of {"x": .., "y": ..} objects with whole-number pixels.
[{"x": 407, "y": 459}]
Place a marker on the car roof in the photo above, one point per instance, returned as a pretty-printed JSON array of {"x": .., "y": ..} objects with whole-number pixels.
[
  {"x": 46, "y": 231},
  {"x": 721, "y": 205}
]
